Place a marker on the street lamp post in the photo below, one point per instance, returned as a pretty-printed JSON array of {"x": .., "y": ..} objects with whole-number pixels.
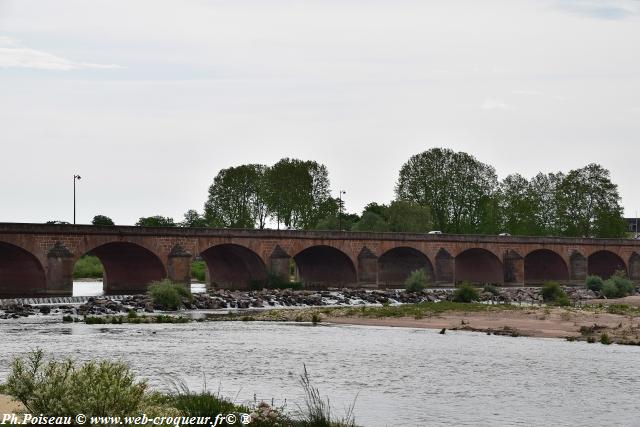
[
  {"x": 74, "y": 197},
  {"x": 340, "y": 209}
]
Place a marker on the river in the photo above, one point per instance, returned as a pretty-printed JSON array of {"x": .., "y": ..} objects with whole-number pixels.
[{"x": 398, "y": 377}]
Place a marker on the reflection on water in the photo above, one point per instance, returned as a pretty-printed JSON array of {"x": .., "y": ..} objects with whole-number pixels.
[
  {"x": 402, "y": 377},
  {"x": 94, "y": 288}
]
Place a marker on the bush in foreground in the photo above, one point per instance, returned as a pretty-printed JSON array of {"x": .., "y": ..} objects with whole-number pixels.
[
  {"x": 466, "y": 293},
  {"x": 417, "y": 281},
  {"x": 169, "y": 295},
  {"x": 63, "y": 388}
]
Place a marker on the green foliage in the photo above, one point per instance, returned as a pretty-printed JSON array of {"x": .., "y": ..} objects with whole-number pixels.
[
  {"x": 610, "y": 290},
  {"x": 492, "y": 289},
  {"x": 605, "y": 339},
  {"x": 193, "y": 219},
  {"x": 88, "y": 266},
  {"x": 198, "y": 270},
  {"x": 588, "y": 204},
  {"x": 417, "y": 281},
  {"x": 298, "y": 194},
  {"x": 371, "y": 221},
  {"x": 453, "y": 185},
  {"x": 337, "y": 221},
  {"x": 466, "y": 293},
  {"x": 168, "y": 295},
  {"x": 155, "y": 221},
  {"x": 617, "y": 286},
  {"x": 551, "y": 291},
  {"x": 317, "y": 411},
  {"x": 237, "y": 198},
  {"x": 64, "y": 388},
  {"x": 594, "y": 283},
  {"x": 408, "y": 217},
  {"x": 102, "y": 220},
  {"x": 274, "y": 281},
  {"x": 562, "y": 300}
]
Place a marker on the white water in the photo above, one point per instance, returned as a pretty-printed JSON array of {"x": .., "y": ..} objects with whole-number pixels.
[{"x": 92, "y": 289}]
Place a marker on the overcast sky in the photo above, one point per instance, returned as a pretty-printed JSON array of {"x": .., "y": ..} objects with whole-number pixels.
[{"x": 148, "y": 100}]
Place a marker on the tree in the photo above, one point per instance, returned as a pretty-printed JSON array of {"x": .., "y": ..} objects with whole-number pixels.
[
  {"x": 455, "y": 186},
  {"x": 193, "y": 219},
  {"x": 102, "y": 220},
  {"x": 408, "y": 217},
  {"x": 297, "y": 193},
  {"x": 517, "y": 206},
  {"x": 588, "y": 204},
  {"x": 236, "y": 198},
  {"x": 543, "y": 193},
  {"x": 371, "y": 221},
  {"x": 155, "y": 221}
]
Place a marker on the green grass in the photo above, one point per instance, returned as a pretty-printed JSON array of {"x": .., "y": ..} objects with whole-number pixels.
[
  {"x": 88, "y": 266},
  {"x": 198, "y": 270},
  {"x": 424, "y": 309}
]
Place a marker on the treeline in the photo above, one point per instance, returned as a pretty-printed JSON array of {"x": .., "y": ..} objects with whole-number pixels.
[{"x": 439, "y": 189}]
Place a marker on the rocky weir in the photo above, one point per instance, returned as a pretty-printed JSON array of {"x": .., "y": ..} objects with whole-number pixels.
[{"x": 277, "y": 298}]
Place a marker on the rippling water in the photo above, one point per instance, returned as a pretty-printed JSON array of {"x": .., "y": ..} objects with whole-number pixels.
[{"x": 401, "y": 377}]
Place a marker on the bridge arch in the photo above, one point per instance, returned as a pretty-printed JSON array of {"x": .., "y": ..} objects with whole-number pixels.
[
  {"x": 477, "y": 265},
  {"x": 325, "y": 266},
  {"x": 21, "y": 272},
  {"x": 605, "y": 263},
  {"x": 395, "y": 265},
  {"x": 541, "y": 265},
  {"x": 234, "y": 266},
  {"x": 128, "y": 267}
]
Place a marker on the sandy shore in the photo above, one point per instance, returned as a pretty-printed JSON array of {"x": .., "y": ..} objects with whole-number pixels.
[
  {"x": 8, "y": 405},
  {"x": 552, "y": 323}
]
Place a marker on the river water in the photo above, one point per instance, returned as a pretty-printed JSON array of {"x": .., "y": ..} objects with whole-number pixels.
[{"x": 397, "y": 376}]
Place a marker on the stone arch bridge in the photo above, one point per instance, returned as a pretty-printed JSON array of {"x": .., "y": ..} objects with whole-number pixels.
[{"x": 38, "y": 259}]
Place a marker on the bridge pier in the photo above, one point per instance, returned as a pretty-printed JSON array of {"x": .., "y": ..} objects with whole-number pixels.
[
  {"x": 367, "y": 267},
  {"x": 577, "y": 267},
  {"x": 513, "y": 264},
  {"x": 445, "y": 268},
  {"x": 179, "y": 266},
  {"x": 59, "y": 271},
  {"x": 279, "y": 262}
]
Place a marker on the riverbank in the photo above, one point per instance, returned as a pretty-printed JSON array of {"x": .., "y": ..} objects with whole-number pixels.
[{"x": 616, "y": 323}]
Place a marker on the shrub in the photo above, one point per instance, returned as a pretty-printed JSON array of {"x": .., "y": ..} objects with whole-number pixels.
[
  {"x": 492, "y": 289},
  {"x": 562, "y": 300},
  {"x": 594, "y": 283},
  {"x": 168, "y": 295},
  {"x": 622, "y": 283},
  {"x": 417, "y": 281},
  {"x": 605, "y": 339},
  {"x": 466, "y": 293},
  {"x": 609, "y": 289},
  {"x": 551, "y": 291},
  {"x": 63, "y": 388}
]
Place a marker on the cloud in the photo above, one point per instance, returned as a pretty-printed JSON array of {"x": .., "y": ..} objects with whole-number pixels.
[
  {"x": 495, "y": 104},
  {"x": 602, "y": 9},
  {"x": 14, "y": 55}
]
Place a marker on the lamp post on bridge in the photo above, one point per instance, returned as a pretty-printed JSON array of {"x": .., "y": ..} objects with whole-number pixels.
[
  {"x": 74, "y": 197},
  {"x": 340, "y": 209}
]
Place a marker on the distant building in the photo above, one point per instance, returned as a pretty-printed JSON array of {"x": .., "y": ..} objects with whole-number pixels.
[{"x": 633, "y": 224}]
